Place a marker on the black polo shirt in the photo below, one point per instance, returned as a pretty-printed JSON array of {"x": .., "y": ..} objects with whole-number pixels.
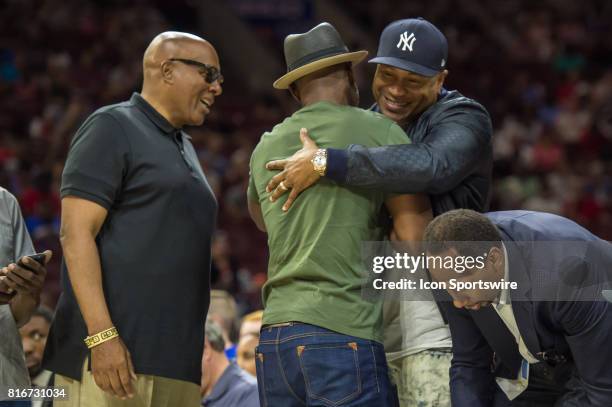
[{"x": 154, "y": 244}]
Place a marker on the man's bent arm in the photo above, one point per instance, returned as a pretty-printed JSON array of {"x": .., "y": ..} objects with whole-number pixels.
[
  {"x": 256, "y": 215},
  {"x": 452, "y": 150},
  {"x": 81, "y": 222},
  {"x": 22, "y": 307},
  {"x": 411, "y": 214}
]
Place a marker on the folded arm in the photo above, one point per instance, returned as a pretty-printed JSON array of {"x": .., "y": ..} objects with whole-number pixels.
[
  {"x": 456, "y": 145},
  {"x": 452, "y": 149},
  {"x": 411, "y": 214},
  {"x": 256, "y": 215}
]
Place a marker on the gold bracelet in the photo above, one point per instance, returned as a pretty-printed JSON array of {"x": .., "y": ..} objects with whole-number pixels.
[{"x": 101, "y": 337}]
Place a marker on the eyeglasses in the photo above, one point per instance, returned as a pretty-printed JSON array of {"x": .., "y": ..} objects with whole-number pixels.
[{"x": 209, "y": 72}]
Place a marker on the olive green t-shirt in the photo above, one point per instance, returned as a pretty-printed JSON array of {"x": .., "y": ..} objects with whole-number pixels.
[{"x": 315, "y": 270}]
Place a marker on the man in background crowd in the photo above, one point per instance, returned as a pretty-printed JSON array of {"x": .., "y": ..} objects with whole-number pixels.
[
  {"x": 251, "y": 323},
  {"x": 223, "y": 383},
  {"x": 224, "y": 311},
  {"x": 245, "y": 353},
  {"x": 249, "y": 337},
  {"x": 34, "y": 338}
]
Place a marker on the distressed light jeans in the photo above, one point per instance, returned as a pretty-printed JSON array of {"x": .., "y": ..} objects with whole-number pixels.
[
  {"x": 305, "y": 365},
  {"x": 422, "y": 378}
]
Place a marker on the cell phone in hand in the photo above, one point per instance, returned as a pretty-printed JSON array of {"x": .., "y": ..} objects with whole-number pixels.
[{"x": 38, "y": 257}]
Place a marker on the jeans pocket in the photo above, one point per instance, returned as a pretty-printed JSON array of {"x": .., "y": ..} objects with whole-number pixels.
[
  {"x": 331, "y": 372},
  {"x": 259, "y": 369}
]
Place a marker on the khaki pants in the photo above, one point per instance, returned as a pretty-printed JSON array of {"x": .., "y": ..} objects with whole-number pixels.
[
  {"x": 149, "y": 391},
  {"x": 422, "y": 379}
]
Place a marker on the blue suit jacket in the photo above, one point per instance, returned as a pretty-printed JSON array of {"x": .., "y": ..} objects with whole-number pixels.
[{"x": 581, "y": 330}]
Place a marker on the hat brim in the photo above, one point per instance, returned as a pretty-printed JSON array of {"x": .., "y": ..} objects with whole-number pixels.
[
  {"x": 284, "y": 81},
  {"x": 405, "y": 65}
]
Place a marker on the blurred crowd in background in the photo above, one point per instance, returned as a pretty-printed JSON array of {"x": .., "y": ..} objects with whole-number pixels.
[{"x": 543, "y": 70}]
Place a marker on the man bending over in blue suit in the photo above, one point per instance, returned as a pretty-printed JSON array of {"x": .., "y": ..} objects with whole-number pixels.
[{"x": 545, "y": 339}]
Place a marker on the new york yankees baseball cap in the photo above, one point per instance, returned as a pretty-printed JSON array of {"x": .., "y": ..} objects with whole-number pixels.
[{"x": 414, "y": 45}]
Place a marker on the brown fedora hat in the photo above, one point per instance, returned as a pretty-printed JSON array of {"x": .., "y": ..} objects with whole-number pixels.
[{"x": 313, "y": 50}]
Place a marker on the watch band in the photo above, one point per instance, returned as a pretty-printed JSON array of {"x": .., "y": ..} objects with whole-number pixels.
[{"x": 319, "y": 161}]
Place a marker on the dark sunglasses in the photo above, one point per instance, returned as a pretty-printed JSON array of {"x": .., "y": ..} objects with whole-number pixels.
[{"x": 209, "y": 72}]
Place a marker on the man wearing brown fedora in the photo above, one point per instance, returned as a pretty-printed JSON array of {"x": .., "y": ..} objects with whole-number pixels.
[
  {"x": 321, "y": 342},
  {"x": 450, "y": 158}
]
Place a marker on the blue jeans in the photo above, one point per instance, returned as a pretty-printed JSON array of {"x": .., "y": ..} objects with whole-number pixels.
[{"x": 306, "y": 365}]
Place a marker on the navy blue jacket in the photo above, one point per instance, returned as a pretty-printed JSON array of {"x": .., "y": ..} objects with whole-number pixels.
[
  {"x": 450, "y": 157},
  {"x": 580, "y": 330}
]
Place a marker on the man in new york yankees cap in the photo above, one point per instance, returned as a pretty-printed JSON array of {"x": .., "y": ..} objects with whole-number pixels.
[
  {"x": 427, "y": 58},
  {"x": 417, "y": 51},
  {"x": 450, "y": 158}
]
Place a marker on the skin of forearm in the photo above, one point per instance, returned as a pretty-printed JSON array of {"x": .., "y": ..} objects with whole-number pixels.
[
  {"x": 411, "y": 228},
  {"x": 83, "y": 263},
  {"x": 23, "y": 306},
  {"x": 408, "y": 229}
]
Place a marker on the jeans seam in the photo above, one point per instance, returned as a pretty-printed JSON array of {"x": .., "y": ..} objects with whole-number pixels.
[
  {"x": 306, "y": 381},
  {"x": 358, "y": 367},
  {"x": 263, "y": 380},
  {"x": 289, "y": 338},
  {"x": 375, "y": 368},
  {"x": 282, "y": 372},
  {"x": 324, "y": 399}
]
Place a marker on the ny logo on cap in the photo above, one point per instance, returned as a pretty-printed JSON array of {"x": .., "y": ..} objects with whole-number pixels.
[{"x": 406, "y": 41}]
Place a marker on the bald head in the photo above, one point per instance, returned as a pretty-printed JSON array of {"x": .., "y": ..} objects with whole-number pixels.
[
  {"x": 177, "y": 72},
  {"x": 171, "y": 44}
]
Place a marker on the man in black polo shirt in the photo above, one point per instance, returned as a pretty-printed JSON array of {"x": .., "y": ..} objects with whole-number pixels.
[{"x": 137, "y": 220}]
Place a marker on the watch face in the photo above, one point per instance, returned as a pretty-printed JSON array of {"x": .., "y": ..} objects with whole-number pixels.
[{"x": 319, "y": 161}]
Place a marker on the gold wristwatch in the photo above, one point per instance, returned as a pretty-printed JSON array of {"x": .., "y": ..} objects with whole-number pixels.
[{"x": 319, "y": 161}]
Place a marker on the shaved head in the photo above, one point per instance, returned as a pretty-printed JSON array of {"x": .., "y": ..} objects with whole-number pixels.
[
  {"x": 175, "y": 66},
  {"x": 171, "y": 44}
]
